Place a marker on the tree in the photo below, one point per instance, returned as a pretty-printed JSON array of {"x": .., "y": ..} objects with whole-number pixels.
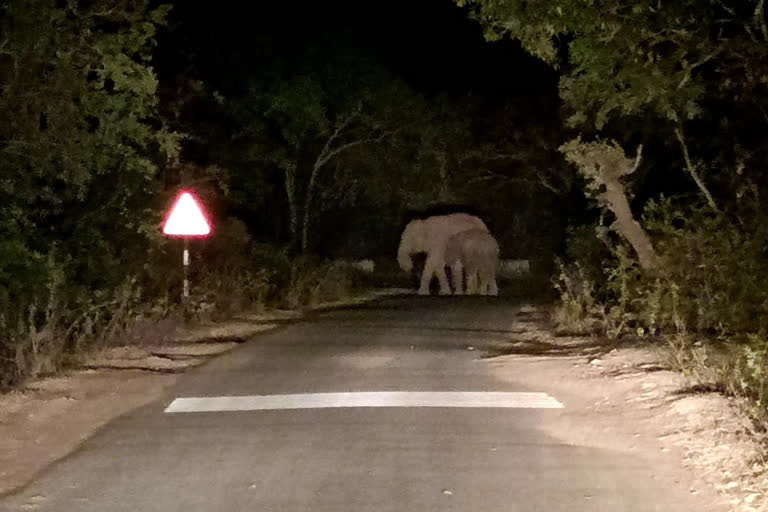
[
  {"x": 302, "y": 124},
  {"x": 519, "y": 148},
  {"x": 79, "y": 110},
  {"x": 445, "y": 143},
  {"x": 80, "y": 143},
  {"x": 624, "y": 60},
  {"x": 604, "y": 165}
]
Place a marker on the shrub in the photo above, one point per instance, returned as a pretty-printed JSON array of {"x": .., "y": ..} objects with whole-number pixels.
[
  {"x": 717, "y": 268},
  {"x": 312, "y": 282},
  {"x": 750, "y": 370},
  {"x": 577, "y": 308},
  {"x": 707, "y": 295}
]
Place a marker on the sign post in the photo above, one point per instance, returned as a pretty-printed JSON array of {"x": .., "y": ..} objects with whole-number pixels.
[
  {"x": 185, "y": 294},
  {"x": 186, "y": 220}
]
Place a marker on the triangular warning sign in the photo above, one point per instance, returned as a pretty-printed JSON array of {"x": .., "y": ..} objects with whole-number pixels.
[{"x": 186, "y": 218}]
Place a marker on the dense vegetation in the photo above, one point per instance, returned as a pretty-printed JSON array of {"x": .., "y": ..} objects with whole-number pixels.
[
  {"x": 627, "y": 141},
  {"x": 664, "y": 103},
  {"x": 302, "y": 147}
]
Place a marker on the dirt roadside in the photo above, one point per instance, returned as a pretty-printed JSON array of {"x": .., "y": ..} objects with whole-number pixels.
[
  {"x": 628, "y": 402},
  {"x": 50, "y": 417}
]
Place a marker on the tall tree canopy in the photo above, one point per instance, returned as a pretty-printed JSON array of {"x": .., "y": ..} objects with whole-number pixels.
[
  {"x": 674, "y": 62},
  {"x": 79, "y": 110}
]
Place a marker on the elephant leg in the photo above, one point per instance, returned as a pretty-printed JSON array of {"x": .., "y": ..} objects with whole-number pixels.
[
  {"x": 493, "y": 288},
  {"x": 426, "y": 278},
  {"x": 433, "y": 266},
  {"x": 472, "y": 282},
  {"x": 457, "y": 275},
  {"x": 439, "y": 269},
  {"x": 483, "y": 285},
  {"x": 488, "y": 283}
]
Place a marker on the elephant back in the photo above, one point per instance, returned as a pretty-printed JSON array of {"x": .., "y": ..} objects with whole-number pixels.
[{"x": 438, "y": 229}]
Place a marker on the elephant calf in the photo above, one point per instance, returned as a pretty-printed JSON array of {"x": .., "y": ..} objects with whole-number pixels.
[{"x": 477, "y": 252}]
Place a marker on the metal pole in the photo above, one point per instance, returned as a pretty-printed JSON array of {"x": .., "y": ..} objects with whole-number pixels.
[{"x": 185, "y": 295}]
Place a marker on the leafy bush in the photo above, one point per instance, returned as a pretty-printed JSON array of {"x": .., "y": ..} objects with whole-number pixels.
[
  {"x": 312, "y": 282},
  {"x": 750, "y": 370},
  {"x": 718, "y": 269},
  {"x": 734, "y": 365},
  {"x": 588, "y": 246},
  {"x": 707, "y": 294},
  {"x": 577, "y": 308},
  {"x": 63, "y": 323},
  {"x": 50, "y": 320},
  {"x": 229, "y": 278}
]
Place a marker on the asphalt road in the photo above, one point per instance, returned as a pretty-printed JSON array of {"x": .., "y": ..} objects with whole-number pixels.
[{"x": 349, "y": 458}]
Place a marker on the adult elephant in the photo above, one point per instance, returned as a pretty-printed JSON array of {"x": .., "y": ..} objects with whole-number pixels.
[
  {"x": 431, "y": 236},
  {"x": 476, "y": 252}
]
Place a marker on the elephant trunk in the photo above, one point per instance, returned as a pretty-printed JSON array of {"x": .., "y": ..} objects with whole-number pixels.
[{"x": 404, "y": 257}]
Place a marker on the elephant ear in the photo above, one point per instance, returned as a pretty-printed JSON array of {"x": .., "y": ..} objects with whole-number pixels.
[
  {"x": 406, "y": 246},
  {"x": 416, "y": 233}
]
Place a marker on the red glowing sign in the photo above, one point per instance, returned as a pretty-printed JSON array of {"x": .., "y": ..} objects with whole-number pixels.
[{"x": 186, "y": 218}]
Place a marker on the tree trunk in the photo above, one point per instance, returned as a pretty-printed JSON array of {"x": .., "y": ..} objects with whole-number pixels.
[
  {"x": 604, "y": 164},
  {"x": 692, "y": 169},
  {"x": 290, "y": 192},
  {"x": 627, "y": 226},
  {"x": 308, "y": 208},
  {"x": 444, "y": 192}
]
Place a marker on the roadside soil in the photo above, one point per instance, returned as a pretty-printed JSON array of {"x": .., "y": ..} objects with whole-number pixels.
[{"x": 626, "y": 400}]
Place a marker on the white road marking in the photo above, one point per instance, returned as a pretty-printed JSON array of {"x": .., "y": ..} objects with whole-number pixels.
[{"x": 486, "y": 399}]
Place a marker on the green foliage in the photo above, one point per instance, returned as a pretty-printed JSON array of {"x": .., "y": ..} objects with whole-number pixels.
[
  {"x": 600, "y": 162},
  {"x": 312, "y": 282},
  {"x": 79, "y": 143},
  {"x": 228, "y": 277},
  {"x": 751, "y": 370},
  {"x": 706, "y": 297},
  {"x": 63, "y": 322},
  {"x": 736, "y": 366},
  {"x": 304, "y": 127},
  {"x": 646, "y": 71},
  {"x": 626, "y": 59},
  {"x": 80, "y": 110},
  {"x": 708, "y": 279},
  {"x": 588, "y": 246},
  {"x": 578, "y": 306},
  {"x": 79, "y": 99},
  {"x": 716, "y": 267}
]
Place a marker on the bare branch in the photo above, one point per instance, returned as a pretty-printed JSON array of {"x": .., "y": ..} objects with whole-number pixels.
[
  {"x": 546, "y": 184},
  {"x": 692, "y": 169},
  {"x": 693, "y": 66},
  {"x": 323, "y": 159},
  {"x": 760, "y": 16},
  {"x": 762, "y": 111},
  {"x": 726, "y": 8},
  {"x": 325, "y": 155},
  {"x": 491, "y": 175},
  {"x": 522, "y": 155},
  {"x": 638, "y": 158},
  {"x": 748, "y": 30},
  {"x": 346, "y": 121}
]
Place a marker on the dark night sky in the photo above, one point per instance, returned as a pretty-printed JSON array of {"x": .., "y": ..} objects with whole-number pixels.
[{"x": 430, "y": 43}]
